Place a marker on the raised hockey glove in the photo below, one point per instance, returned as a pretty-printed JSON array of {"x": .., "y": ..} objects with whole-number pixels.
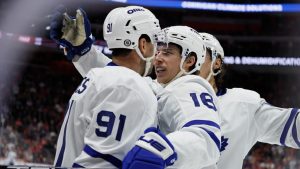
[
  {"x": 152, "y": 151},
  {"x": 74, "y": 34}
]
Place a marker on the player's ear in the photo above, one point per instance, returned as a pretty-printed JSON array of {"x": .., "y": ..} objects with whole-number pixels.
[
  {"x": 190, "y": 61},
  {"x": 218, "y": 64},
  {"x": 144, "y": 44}
]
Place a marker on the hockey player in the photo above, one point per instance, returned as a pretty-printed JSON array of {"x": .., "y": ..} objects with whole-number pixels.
[
  {"x": 200, "y": 129},
  {"x": 187, "y": 105},
  {"x": 246, "y": 118},
  {"x": 113, "y": 105}
]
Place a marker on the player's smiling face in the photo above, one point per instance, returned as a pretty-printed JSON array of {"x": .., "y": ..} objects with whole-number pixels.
[{"x": 167, "y": 62}]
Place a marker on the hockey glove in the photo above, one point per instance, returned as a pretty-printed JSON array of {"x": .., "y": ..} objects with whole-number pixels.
[
  {"x": 74, "y": 34},
  {"x": 152, "y": 151}
]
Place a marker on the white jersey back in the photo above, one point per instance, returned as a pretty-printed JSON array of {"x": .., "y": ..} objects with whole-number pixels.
[
  {"x": 107, "y": 113},
  {"x": 188, "y": 115},
  {"x": 245, "y": 119}
]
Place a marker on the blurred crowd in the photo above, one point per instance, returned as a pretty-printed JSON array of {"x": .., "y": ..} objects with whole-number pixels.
[
  {"x": 265, "y": 156},
  {"x": 32, "y": 109},
  {"x": 32, "y": 113}
]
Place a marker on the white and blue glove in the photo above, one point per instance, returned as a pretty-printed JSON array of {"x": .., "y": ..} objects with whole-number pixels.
[
  {"x": 152, "y": 151},
  {"x": 74, "y": 34}
]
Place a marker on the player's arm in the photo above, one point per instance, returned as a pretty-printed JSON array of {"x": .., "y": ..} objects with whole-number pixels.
[
  {"x": 92, "y": 59},
  {"x": 194, "y": 139},
  {"x": 197, "y": 139},
  {"x": 117, "y": 117},
  {"x": 74, "y": 34},
  {"x": 276, "y": 125}
]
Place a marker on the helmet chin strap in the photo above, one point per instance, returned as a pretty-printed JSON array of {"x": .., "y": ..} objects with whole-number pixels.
[
  {"x": 212, "y": 71},
  {"x": 148, "y": 66},
  {"x": 179, "y": 74}
]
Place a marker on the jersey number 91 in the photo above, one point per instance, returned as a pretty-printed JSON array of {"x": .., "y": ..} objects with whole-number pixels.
[{"x": 106, "y": 119}]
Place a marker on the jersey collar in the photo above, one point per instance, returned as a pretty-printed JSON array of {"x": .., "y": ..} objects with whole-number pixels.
[
  {"x": 112, "y": 64},
  {"x": 221, "y": 91}
]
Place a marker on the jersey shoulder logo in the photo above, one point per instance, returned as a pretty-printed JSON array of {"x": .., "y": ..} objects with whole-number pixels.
[{"x": 224, "y": 143}]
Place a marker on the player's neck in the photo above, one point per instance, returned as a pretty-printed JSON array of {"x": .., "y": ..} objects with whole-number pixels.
[
  {"x": 131, "y": 62},
  {"x": 213, "y": 84}
]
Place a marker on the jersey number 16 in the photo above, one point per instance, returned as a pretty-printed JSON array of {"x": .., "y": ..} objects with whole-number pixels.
[{"x": 206, "y": 99}]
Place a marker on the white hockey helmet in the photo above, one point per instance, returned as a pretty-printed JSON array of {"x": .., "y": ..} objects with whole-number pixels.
[
  {"x": 190, "y": 41},
  {"x": 213, "y": 44},
  {"x": 123, "y": 27}
]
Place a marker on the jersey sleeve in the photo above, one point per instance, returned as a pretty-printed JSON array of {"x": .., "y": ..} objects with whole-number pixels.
[
  {"x": 117, "y": 116},
  {"x": 276, "y": 125},
  {"x": 192, "y": 112},
  {"x": 94, "y": 58}
]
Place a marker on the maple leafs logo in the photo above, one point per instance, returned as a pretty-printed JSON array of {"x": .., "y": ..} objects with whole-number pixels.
[{"x": 224, "y": 143}]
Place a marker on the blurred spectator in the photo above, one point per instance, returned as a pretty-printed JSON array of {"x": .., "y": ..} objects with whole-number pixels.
[
  {"x": 11, "y": 155},
  {"x": 34, "y": 114}
]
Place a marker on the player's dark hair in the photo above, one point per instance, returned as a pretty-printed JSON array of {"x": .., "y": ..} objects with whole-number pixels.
[
  {"x": 145, "y": 37},
  {"x": 120, "y": 52},
  {"x": 124, "y": 51},
  {"x": 170, "y": 43},
  {"x": 219, "y": 78},
  {"x": 177, "y": 46},
  {"x": 190, "y": 55}
]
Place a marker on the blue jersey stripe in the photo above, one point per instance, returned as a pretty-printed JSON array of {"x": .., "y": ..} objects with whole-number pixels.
[
  {"x": 62, "y": 150},
  {"x": 75, "y": 165},
  {"x": 294, "y": 131},
  {"x": 213, "y": 137},
  {"x": 93, "y": 153},
  {"x": 201, "y": 122},
  {"x": 287, "y": 126}
]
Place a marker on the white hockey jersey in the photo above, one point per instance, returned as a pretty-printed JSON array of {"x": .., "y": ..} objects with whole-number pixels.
[
  {"x": 188, "y": 108},
  {"x": 188, "y": 114},
  {"x": 246, "y": 119},
  {"x": 107, "y": 113}
]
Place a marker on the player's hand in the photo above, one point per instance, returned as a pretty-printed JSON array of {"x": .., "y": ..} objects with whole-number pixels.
[
  {"x": 74, "y": 34},
  {"x": 152, "y": 151}
]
